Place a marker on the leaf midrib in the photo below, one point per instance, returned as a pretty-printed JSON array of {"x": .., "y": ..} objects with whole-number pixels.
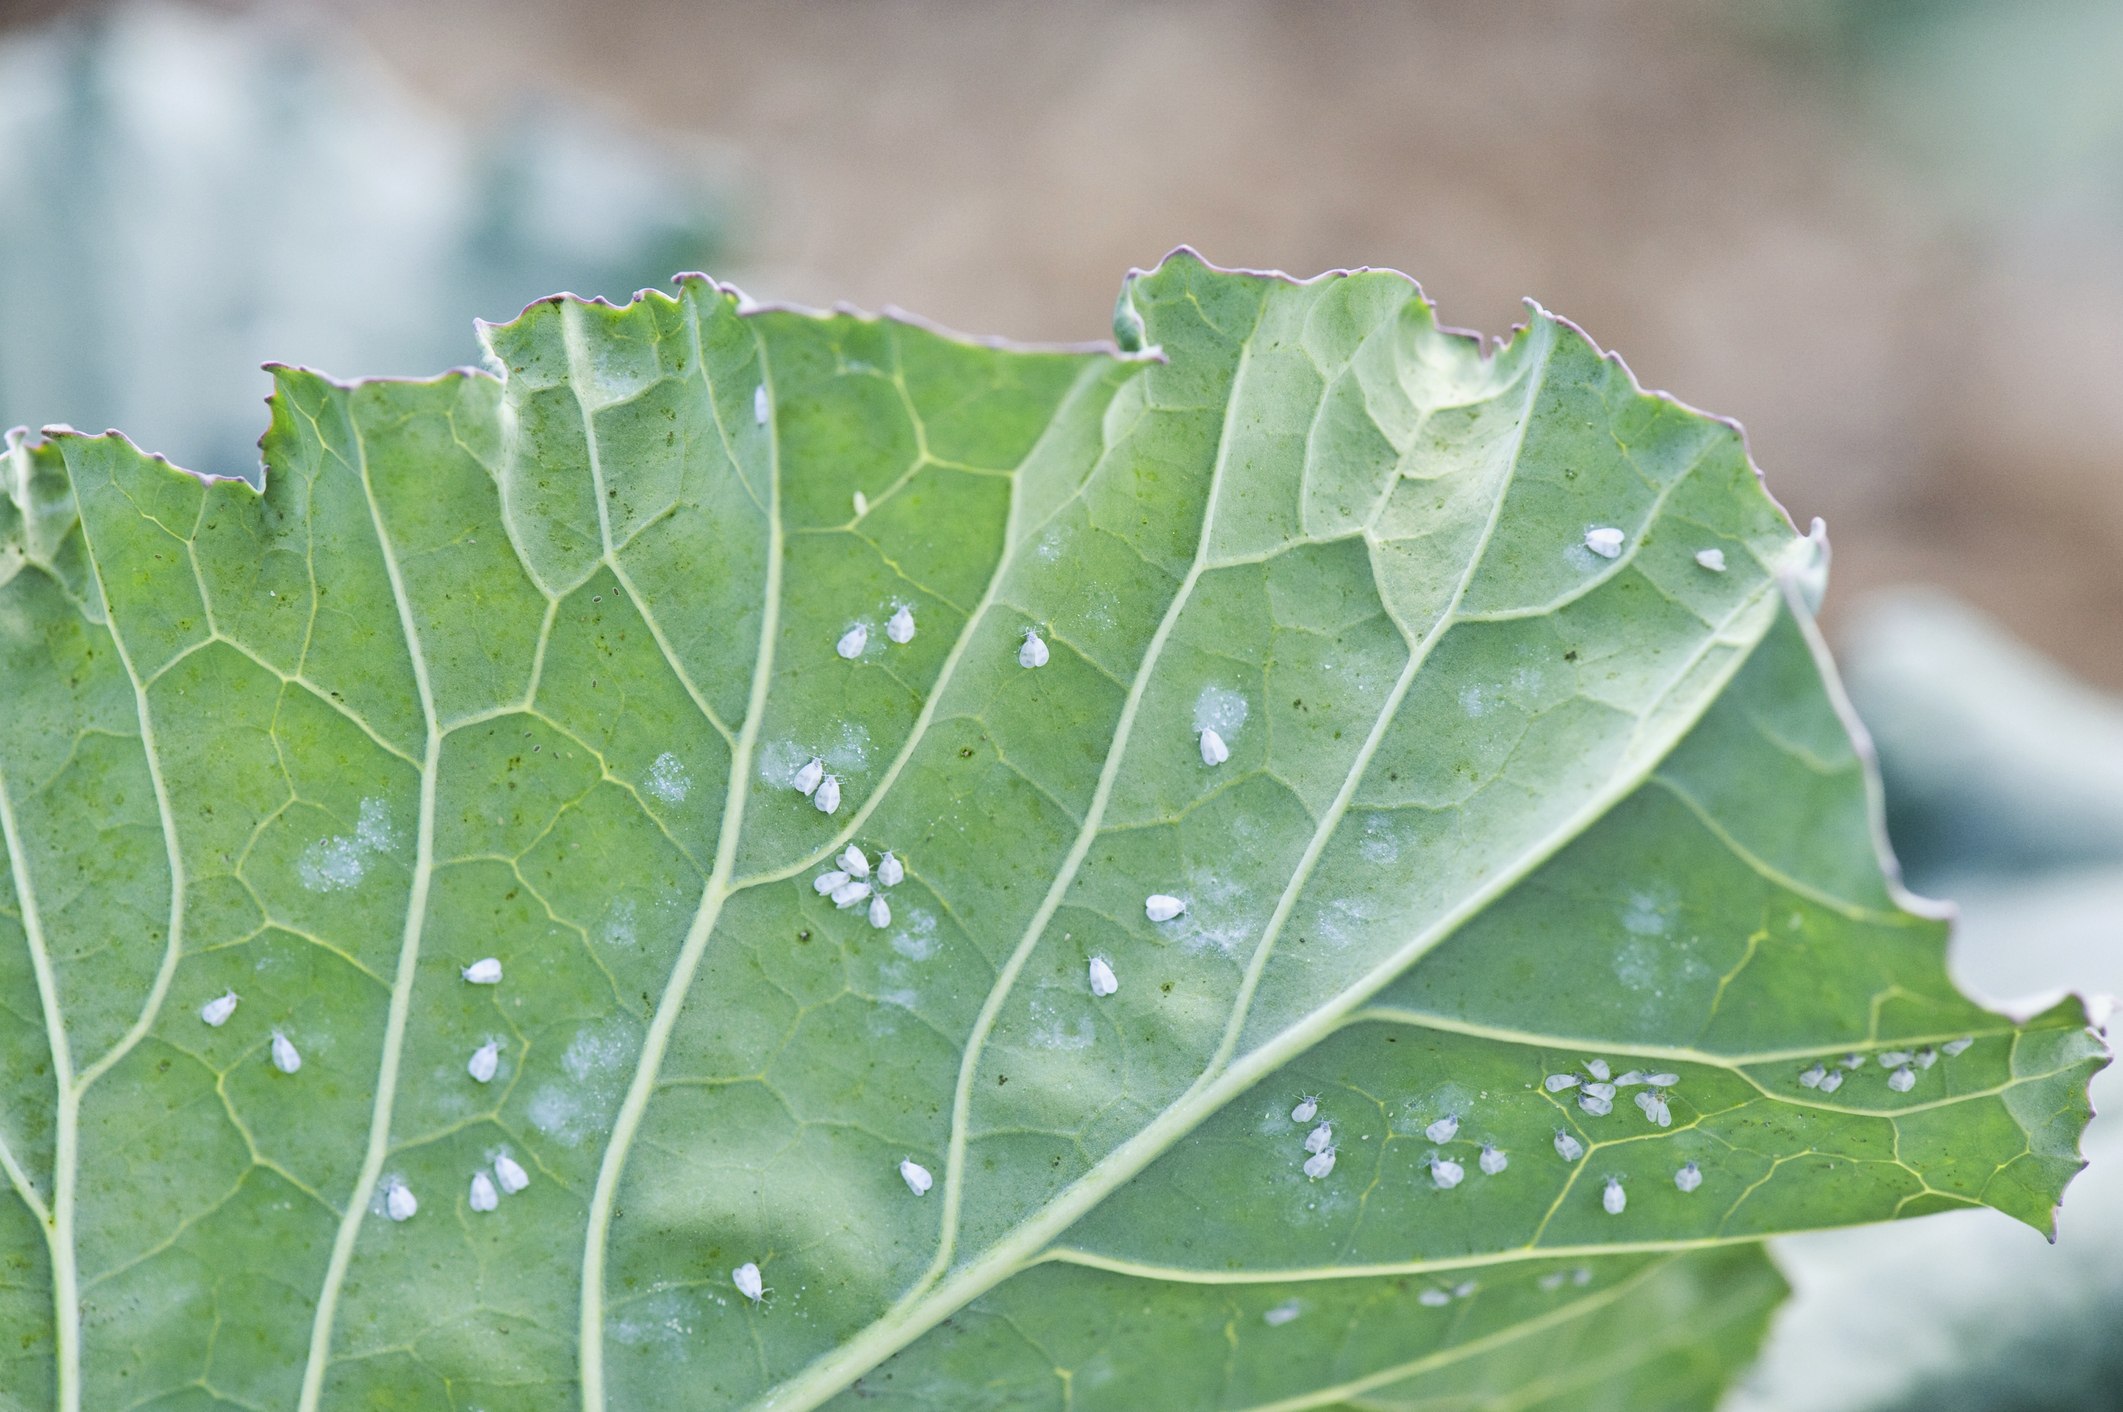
[
  {"x": 401, "y": 1005},
  {"x": 648, "y": 1066}
]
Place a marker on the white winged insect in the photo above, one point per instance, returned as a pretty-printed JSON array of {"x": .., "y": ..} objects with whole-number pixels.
[
  {"x": 747, "y": 1279},
  {"x": 1613, "y": 1197},
  {"x": 1033, "y": 653},
  {"x": 513, "y": 1177},
  {"x": 1158, "y": 907},
  {"x": 1493, "y": 1160},
  {"x": 1103, "y": 981},
  {"x": 286, "y": 1058},
  {"x": 216, "y": 1012}
]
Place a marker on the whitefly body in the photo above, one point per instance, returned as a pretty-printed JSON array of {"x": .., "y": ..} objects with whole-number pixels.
[
  {"x": 1103, "y": 981},
  {"x": 511, "y": 1173}
]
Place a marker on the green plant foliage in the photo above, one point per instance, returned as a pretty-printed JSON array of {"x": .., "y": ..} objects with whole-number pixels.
[{"x": 530, "y": 669}]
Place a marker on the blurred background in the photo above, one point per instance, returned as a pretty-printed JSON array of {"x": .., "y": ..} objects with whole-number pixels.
[{"x": 1887, "y": 235}]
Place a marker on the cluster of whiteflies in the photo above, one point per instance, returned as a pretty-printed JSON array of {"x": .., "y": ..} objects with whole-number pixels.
[
  {"x": 851, "y": 882},
  {"x": 1597, "y": 1088},
  {"x": 1902, "y": 1065}
]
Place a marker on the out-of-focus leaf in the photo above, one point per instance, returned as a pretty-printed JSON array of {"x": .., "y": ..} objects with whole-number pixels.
[
  {"x": 531, "y": 669},
  {"x": 189, "y": 195}
]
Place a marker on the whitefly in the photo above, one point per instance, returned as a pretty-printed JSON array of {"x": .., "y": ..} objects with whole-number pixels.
[{"x": 1103, "y": 981}]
